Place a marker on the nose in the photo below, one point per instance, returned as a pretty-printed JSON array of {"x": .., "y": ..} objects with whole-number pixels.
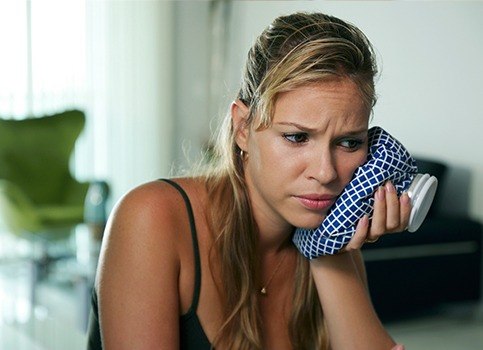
[{"x": 322, "y": 168}]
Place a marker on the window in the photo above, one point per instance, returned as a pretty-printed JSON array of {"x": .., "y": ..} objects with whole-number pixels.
[{"x": 43, "y": 61}]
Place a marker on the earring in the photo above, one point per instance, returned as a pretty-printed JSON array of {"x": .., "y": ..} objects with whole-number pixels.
[{"x": 243, "y": 155}]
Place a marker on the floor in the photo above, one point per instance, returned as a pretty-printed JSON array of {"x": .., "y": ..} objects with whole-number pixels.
[
  {"x": 455, "y": 327},
  {"x": 56, "y": 322},
  {"x": 51, "y": 325}
]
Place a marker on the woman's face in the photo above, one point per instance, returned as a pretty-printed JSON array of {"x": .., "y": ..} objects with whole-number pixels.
[{"x": 297, "y": 167}]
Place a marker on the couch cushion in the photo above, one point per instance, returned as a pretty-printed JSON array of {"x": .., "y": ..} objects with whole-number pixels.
[
  {"x": 60, "y": 215},
  {"x": 35, "y": 152}
]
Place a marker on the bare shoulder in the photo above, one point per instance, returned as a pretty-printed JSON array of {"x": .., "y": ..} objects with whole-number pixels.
[
  {"x": 148, "y": 216},
  {"x": 148, "y": 203},
  {"x": 139, "y": 267}
]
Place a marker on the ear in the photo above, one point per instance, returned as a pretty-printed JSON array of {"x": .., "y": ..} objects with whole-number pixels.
[{"x": 239, "y": 116}]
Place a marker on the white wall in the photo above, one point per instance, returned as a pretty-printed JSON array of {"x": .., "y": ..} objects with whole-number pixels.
[
  {"x": 191, "y": 67},
  {"x": 430, "y": 90},
  {"x": 200, "y": 95},
  {"x": 430, "y": 57}
]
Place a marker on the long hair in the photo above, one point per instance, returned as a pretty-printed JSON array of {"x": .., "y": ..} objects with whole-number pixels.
[{"x": 294, "y": 50}]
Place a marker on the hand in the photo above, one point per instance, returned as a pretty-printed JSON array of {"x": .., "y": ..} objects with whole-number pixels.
[{"x": 391, "y": 214}]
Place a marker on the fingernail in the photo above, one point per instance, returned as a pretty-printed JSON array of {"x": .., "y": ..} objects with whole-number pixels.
[
  {"x": 380, "y": 194},
  {"x": 364, "y": 221},
  {"x": 405, "y": 198},
  {"x": 390, "y": 187}
]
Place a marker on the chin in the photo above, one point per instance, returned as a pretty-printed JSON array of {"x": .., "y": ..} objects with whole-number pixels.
[{"x": 308, "y": 222}]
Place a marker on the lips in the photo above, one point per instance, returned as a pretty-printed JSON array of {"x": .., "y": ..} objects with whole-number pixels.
[{"x": 316, "y": 201}]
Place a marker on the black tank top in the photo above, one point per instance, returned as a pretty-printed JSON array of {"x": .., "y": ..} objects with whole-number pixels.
[{"x": 191, "y": 333}]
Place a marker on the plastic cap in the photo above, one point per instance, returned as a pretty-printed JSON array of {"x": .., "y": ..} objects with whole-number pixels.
[{"x": 421, "y": 192}]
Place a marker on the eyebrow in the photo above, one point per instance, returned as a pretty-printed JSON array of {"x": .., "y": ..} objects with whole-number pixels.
[
  {"x": 308, "y": 129},
  {"x": 298, "y": 126}
]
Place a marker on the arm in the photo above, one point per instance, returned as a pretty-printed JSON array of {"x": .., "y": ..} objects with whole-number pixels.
[
  {"x": 351, "y": 320},
  {"x": 341, "y": 282},
  {"x": 360, "y": 267},
  {"x": 137, "y": 280}
]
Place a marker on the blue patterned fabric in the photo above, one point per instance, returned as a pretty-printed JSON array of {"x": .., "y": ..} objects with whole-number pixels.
[{"x": 387, "y": 160}]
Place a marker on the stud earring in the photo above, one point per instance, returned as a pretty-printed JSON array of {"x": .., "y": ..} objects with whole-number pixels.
[{"x": 243, "y": 155}]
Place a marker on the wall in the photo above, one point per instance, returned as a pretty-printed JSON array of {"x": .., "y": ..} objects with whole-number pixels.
[
  {"x": 430, "y": 90},
  {"x": 191, "y": 67},
  {"x": 201, "y": 32}
]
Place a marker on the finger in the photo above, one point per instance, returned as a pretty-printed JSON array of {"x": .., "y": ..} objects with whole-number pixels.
[
  {"x": 378, "y": 222},
  {"x": 360, "y": 235},
  {"x": 405, "y": 211},
  {"x": 393, "y": 218}
]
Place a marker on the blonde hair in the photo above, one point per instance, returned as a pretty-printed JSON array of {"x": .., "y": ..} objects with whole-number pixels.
[{"x": 294, "y": 50}]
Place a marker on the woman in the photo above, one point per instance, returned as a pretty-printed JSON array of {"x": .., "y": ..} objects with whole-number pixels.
[{"x": 207, "y": 261}]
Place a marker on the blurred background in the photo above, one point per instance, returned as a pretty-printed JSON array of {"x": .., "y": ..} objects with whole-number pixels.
[{"x": 151, "y": 81}]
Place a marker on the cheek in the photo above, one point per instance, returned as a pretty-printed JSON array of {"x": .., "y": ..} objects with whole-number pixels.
[
  {"x": 347, "y": 167},
  {"x": 262, "y": 162},
  {"x": 269, "y": 154}
]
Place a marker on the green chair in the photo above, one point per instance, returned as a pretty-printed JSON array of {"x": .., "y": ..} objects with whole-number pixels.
[{"x": 38, "y": 194}]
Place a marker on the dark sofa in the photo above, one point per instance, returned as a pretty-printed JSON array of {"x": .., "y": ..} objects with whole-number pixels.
[{"x": 412, "y": 273}]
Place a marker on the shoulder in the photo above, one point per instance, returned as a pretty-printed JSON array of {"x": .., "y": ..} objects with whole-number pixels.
[
  {"x": 150, "y": 201},
  {"x": 154, "y": 205},
  {"x": 140, "y": 264},
  {"x": 147, "y": 220}
]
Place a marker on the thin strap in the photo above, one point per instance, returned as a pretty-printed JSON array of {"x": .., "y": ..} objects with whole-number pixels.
[{"x": 197, "y": 287}]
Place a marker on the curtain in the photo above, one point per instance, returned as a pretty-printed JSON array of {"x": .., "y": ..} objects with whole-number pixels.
[
  {"x": 129, "y": 98},
  {"x": 111, "y": 59},
  {"x": 43, "y": 62}
]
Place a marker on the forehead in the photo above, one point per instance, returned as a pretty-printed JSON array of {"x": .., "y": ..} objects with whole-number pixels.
[{"x": 337, "y": 101}]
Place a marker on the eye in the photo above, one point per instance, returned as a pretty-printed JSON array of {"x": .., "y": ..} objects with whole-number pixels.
[
  {"x": 298, "y": 137},
  {"x": 351, "y": 144}
]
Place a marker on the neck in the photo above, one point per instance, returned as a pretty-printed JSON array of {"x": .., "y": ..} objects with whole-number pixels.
[
  {"x": 274, "y": 232},
  {"x": 273, "y": 235},
  {"x": 273, "y": 243}
]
